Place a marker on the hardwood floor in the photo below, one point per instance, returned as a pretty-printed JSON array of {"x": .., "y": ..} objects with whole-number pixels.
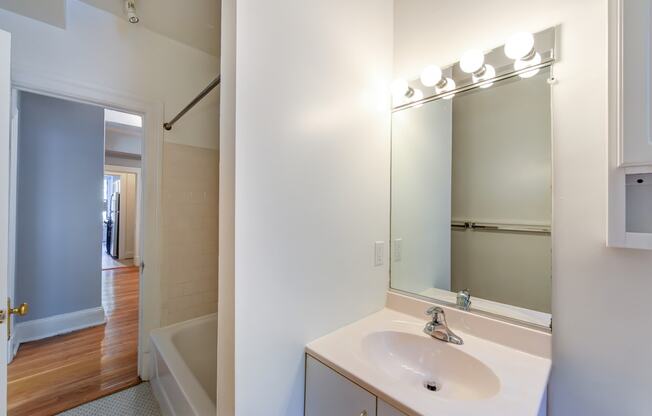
[
  {"x": 51, "y": 375},
  {"x": 109, "y": 262}
]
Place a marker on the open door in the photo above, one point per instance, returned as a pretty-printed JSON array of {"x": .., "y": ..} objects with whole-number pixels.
[{"x": 5, "y": 152}]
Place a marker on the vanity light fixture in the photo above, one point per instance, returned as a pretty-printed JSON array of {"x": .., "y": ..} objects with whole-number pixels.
[
  {"x": 520, "y": 46},
  {"x": 522, "y": 64},
  {"x": 400, "y": 89},
  {"x": 472, "y": 62},
  {"x": 417, "y": 94},
  {"x": 447, "y": 84},
  {"x": 488, "y": 73},
  {"x": 431, "y": 75}
]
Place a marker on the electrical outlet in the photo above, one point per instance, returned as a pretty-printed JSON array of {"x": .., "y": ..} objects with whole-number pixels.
[{"x": 379, "y": 253}]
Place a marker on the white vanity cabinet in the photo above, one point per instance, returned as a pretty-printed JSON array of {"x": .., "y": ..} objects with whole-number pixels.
[
  {"x": 329, "y": 394},
  {"x": 385, "y": 409}
]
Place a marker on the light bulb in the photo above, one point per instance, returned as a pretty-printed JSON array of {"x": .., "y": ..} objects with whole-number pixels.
[
  {"x": 416, "y": 95},
  {"x": 399, "y": 88},
  {"x": 519, "y": 65},
  {"x": 448, "y": 86},
  {"x": 519, "y": 45},
  {"x": 431, "y": 75},
  {"x": 489, "y": 73},
  {"x": 472, "y": 61}
]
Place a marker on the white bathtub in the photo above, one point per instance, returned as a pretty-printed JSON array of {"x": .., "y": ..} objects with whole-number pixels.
[{"x": 184, "y": 367}]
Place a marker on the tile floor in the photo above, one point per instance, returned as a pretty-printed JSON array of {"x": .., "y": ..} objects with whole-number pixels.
[{"x": 135, "y": 401}]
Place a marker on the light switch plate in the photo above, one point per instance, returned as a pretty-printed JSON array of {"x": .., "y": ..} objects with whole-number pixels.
[{"x": 379, "y": 253}]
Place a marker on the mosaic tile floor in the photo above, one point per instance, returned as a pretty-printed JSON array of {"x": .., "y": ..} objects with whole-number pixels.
[{"x": 136, "y": 401}]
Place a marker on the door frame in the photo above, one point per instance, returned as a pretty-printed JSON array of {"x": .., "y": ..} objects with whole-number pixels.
[
  {"x": 139, "y": 206},
  {"x": 152, "y": 110}
]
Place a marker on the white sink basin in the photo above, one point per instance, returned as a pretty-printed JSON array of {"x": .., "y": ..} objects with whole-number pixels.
[
  {"x": 388, "y": 354},
  {"x": 418, "y": 361}
]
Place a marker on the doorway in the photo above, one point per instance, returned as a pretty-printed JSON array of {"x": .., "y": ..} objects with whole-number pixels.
[{"x": 81, "y": 334}]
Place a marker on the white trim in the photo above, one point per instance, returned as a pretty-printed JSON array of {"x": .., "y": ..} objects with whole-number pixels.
[
  {"x": 641, "y": 241},
  {"x": 57, "y": 325},
  {"x": 139, "y": 193},
  {"x": 13, "y": 173},
  {"x": 5, "y": 115},
  {"x": 41, "y": 82}
]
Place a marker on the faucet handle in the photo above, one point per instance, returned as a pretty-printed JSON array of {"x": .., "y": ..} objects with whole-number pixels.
[{"x": 435, "y": 312}]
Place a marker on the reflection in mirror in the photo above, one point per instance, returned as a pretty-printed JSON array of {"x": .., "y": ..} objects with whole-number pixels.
[{"x": 471, "y": 198}]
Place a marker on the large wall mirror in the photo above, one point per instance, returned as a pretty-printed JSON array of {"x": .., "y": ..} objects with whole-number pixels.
[{"x": 471, "y": 196}]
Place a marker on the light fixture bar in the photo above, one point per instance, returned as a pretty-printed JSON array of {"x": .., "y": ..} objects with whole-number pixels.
[{"x": 512, "y": 74}]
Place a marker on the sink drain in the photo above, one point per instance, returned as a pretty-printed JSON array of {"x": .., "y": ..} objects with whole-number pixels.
[{"x": 432, "y": 385}]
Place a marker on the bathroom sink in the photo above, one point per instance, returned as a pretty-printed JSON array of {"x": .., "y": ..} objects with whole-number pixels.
[
  {"x": 430, "y": 366},
  {"x": 389, "y": 355}
]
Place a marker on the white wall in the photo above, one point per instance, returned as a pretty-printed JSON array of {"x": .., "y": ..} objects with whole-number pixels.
[
  {"x": 99, "y": 49},
  {"x": 122, "y": 141},
  {"x": 422, "y": 142},
  {"x": 602, "y": 334},
  {"x": 311, "y": 184}
]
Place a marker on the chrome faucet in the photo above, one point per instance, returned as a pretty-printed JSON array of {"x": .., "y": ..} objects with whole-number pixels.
[
  {"x": 437, "y": 327},
  {"x": 464, "y": 299}
]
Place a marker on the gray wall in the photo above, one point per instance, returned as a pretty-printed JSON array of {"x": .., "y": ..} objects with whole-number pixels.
[{"x": 60, "y": 168}]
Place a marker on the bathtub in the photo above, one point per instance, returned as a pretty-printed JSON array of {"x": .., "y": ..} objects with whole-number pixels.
[{"x": 184, "y": 367}]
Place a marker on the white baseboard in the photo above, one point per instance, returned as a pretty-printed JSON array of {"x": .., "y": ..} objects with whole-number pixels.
[
  {"x": 12, "y": 349},
  {"x": 57, "y": 325}
]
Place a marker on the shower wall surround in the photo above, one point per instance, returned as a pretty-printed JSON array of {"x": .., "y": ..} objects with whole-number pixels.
[{"x": 189, "y": 232}]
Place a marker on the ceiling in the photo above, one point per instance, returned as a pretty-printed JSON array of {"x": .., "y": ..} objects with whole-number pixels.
[
  {"x": 52, "y": 12},
  {"x": 193, "y": 22}
]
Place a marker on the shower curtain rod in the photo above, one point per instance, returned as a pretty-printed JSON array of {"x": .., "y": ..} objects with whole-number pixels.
[{"x": 198, "y": 98}]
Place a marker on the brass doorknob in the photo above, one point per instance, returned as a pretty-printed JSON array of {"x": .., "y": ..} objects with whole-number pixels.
[{"x": 21, "y": 310}]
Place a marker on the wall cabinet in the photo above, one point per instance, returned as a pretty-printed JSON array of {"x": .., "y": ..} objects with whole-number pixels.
[
  {"x": 630, "y": 124},
  {"x": 329, "y": 393}
]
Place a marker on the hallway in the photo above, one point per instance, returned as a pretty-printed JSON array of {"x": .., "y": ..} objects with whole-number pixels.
[{"x": 51, "y": 375}]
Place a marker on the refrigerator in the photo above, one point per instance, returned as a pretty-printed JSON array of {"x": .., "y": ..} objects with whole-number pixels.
[{"x": 113, "y": 225}]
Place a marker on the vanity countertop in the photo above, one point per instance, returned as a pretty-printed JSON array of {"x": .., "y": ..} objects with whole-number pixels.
[{"x": 388, "y": 354}]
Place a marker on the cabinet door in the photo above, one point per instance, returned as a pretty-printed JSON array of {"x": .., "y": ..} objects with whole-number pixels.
[
  {"x": 636, "y": 30},
  {"x": 385, "y": 409},
  {"x": 329, "y": 394}
]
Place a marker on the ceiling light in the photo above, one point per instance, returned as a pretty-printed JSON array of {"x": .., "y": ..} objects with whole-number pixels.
[
  {"x": 131, "y": 11},
  {"x": 472, "y": 61},
  {"x": 522, "y": 64},
  {"x": 520, "y": 46},
  {"x": 431, "y": 75}
]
